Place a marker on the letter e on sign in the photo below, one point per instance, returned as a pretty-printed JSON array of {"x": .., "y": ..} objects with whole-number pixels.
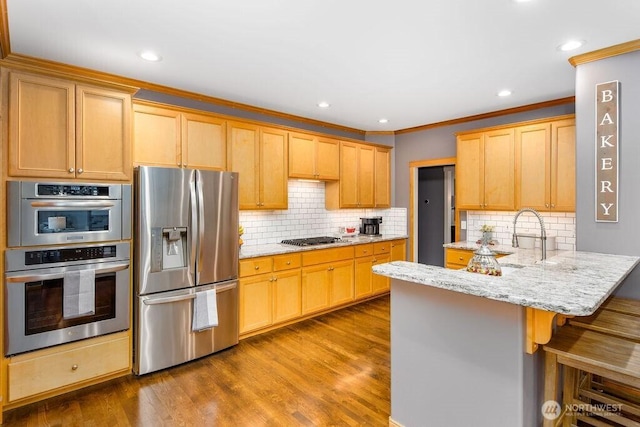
[{"x": 607, "y": 147}]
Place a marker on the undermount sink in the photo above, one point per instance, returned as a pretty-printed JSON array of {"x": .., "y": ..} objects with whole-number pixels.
[
  {"x": 546, "y": 262},
  {"x": 509, "y": 268}
]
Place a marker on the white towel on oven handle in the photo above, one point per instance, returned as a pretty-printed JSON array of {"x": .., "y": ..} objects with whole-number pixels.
[
  {"x": 79, "y": 293},
  {"x": 205, "y": 310}
]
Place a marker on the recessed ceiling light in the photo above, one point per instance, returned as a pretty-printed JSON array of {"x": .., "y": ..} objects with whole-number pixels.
[
  {"x": 148, "y": 55},
  {"x": 323, "y": 104},
  {"x": 505, "y": 92},
  {"x": 571, "y": 45},
  {"x": 520, "y": 1},
  {"x": 383, "y": 121}
]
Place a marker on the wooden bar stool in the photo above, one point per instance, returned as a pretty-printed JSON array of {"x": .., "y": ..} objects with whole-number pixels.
[{"x": 599, "y": 357}]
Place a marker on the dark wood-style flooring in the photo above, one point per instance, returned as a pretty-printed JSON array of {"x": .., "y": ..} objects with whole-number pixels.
[{"x": 333, "y": 370}]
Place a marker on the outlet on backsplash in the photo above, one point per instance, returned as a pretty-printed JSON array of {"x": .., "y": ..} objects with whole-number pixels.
[{"x": 307, "y": 217}]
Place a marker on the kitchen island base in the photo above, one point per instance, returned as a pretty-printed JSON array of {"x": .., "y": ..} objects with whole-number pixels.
[{"x": 458, "y": 360}]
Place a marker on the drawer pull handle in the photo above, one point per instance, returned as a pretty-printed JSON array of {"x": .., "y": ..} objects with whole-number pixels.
[
  {"x": 460, "y": 258},
  {"x": 258, "y": 267},
  {"x": 288, "y": 262},
  {"x": 74, "y": 367}
]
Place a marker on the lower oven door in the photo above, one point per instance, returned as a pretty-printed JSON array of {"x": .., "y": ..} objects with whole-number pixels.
[
  {"x": 163, "y": 334},
  {"x": 34, "y": 306}
]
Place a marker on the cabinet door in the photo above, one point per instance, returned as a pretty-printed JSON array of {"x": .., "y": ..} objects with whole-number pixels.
[
  {"x": 274, "y": 184},
  {"x": 255, "y": 303},
  {"x": 563, "y": 166},
  {"x": 499, "y": 170},
  {"x": 382, "y": 177},
  {"x": 342, "y": 289},
  {"x": 41, "y": 126},
  {"x": 156, "y": 136},
  {"x": 204, "y": 142},
  {"x": 363, "y": 277},
  {"x": 366, "y": 179},
  {"x": 380, "y": 283},
  {"x": 315, "y": 288},
  {"x": 469, "y": 172},
  {"x": 243, "y": 158},
  {"x": 302, "y": 156},
  {"x": 398, "y": 250},
  {"x": 533, "y": 166},
  {"x": 286, "y": 296},
  {"x": 348, "y": 175},
  {"x": 328, "y": 159},
  {"x": 103, "y": 134}
]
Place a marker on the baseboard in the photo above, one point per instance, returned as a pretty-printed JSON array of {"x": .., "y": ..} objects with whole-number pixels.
[{"x": 393, "y": 423}]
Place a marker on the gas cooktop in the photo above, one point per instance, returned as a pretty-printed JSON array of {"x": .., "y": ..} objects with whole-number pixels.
[{"x": 310, "y": 241}]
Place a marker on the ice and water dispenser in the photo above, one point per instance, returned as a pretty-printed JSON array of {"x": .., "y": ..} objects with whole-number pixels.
[{"x": 168, "y": 248}]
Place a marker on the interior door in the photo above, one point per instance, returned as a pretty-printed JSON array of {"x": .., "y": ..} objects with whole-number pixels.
[{"x": 431, "y": 221}]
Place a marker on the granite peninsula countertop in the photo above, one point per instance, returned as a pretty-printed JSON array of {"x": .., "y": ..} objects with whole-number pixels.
[
  {"x": 253, "y": 251},
  {"x": 568, "y": 282}
]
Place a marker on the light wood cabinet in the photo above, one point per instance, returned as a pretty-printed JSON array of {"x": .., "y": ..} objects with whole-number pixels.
[
  {"x": 367, "y": 283},
  {"x": 545, "y": 166},
  {"x": 269, "y": 291},
  {"x": 382, "y": 177},
  {"x": 485, "y": 170},
  {"x": 313, "y": 157},
  {"x": 61, "y": 367},
  {"x": 259, "y": 155},
  {"x": 459, "y": 258},
  {"x": 327, "y": 278},
  {"x": 360, "y": 185},
  {"x": 61, "y": 129},
  {"x": 172, "y": 137},
  {"x": 399, "y": 250}
]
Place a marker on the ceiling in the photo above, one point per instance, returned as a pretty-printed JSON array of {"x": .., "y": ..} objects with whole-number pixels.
[{"x": 412, "y": 62}]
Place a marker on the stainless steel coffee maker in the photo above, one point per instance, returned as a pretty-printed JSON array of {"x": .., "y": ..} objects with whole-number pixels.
[{"x": 370, "y": 226}]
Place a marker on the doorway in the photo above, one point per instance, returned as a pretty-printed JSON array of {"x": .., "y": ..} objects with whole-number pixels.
[{"x": 435, "y": 219}]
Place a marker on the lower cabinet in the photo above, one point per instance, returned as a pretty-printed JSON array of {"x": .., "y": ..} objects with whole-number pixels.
[
  {"x": 282, "y": 288},
  {"x": 459, "y": 258},
  {"x": 60, "y": 368},
  {"x": 269, "y": 291}
]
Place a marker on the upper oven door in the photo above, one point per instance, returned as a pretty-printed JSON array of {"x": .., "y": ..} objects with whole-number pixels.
[{"x": 59, "y": 221}]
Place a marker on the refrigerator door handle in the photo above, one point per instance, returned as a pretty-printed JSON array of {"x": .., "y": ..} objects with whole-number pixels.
[
  {"x": 200, "y": 226},
  {"x": 193, "y": 276},
  {"x": 167, "y": 300}
]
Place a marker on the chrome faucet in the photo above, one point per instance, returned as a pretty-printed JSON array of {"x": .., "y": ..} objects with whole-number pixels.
[{"x": 543, "y": 234}]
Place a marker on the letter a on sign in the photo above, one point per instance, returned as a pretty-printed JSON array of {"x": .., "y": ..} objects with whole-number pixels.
[{"x": 607, "y": 151}]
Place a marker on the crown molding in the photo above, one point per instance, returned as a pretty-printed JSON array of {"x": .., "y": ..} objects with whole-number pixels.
[{"x": 607, "y": 52}]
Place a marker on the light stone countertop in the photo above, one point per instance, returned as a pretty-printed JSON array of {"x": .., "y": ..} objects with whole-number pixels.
[
  {"x": 253, "y": 251},
  {"x": 568, "y": 282}
]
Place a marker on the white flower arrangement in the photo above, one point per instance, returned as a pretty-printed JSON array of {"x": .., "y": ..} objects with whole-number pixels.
[{"x": 486, "y": 228}]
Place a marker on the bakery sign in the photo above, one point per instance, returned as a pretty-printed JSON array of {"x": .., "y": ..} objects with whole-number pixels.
[{"x": 607, "y": 150}]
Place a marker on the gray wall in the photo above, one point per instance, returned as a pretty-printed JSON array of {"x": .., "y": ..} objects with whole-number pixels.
[
  {"x": 623, "y": 237},
  {"x": 440, "y": 142}
]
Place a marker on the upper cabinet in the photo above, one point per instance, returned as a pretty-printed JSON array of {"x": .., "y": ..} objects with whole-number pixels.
[
  {"x": 259, "y": 155},
  {"x": 545, "y": 165},
  {"x": 364, "y": 178},
  {"x": 485, "y": 173},
  {"x": 63, "y": 129},
  {"x": 530, "y": 164},
  {"x": 173, "y": 137},
  {"x": 313, "y": 157}
]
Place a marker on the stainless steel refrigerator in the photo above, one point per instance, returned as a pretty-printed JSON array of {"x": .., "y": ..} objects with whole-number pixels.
[{"x": 185, "y": 265}]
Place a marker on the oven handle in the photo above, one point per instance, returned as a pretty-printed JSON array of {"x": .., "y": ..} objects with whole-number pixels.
[
  {"x": 167, "y": 300},
  {"x": 68, "y": 204},
  {"x": 51, "y": 276}
]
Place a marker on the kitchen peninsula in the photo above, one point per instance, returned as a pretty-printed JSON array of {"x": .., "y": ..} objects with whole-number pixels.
[{"x": 459, "y": 353}]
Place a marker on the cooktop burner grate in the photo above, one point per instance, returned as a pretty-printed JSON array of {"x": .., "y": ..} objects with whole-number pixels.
[{"x": 310, "y": 241}]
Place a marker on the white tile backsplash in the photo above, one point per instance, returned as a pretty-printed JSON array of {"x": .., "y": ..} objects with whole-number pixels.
[
  {"x": 307, "y": 217},
  {"x": 559, "y": 224}
]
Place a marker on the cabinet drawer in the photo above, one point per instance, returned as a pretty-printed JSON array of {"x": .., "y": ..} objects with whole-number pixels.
[
  {"x": 327, "y": 255},
  {"x": 29, "y": 375},
  {"x": 364, "y": 250},
  {"x": 286, "y": 262},
  {"x": 459, "y": 257},
  {"x": 381, "y": 248},
  {"x": 253, "y": 266}
]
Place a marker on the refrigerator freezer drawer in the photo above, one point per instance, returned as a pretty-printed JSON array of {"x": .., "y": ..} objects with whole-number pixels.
[{"x": 164, "y": 335}]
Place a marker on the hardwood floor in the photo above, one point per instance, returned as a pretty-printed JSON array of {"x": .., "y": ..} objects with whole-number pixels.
[{"x": 333, "y": 370}]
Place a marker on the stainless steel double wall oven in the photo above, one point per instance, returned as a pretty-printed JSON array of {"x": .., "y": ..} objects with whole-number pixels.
[{"x": 65, "y": 238}]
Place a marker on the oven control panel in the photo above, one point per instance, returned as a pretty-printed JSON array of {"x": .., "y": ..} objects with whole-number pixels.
[
  {"x": 72, "y": 190},
  {"x": 52, "y": 256}
]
